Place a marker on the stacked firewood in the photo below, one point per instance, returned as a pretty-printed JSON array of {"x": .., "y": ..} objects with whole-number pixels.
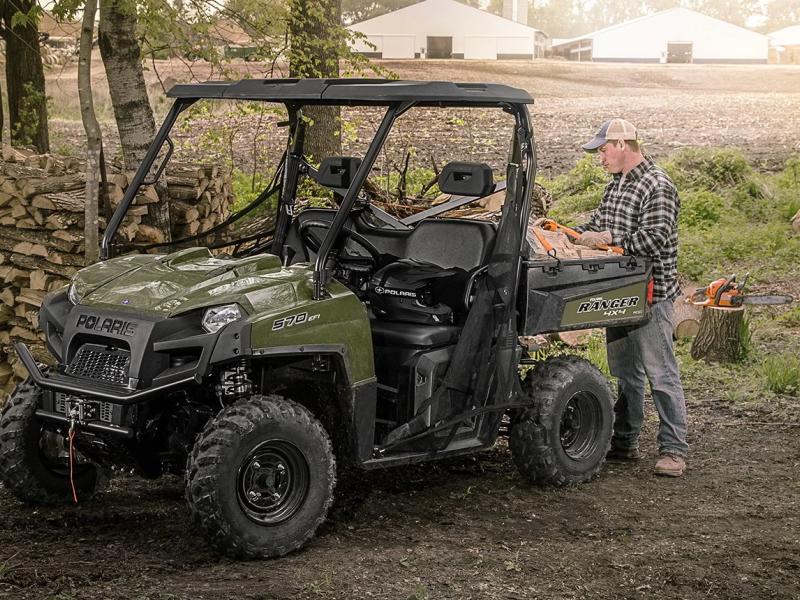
[{"x": 41, "y": 232}]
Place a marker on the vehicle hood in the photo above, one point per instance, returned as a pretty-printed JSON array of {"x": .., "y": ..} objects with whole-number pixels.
[{"x": 191, "y": 279}]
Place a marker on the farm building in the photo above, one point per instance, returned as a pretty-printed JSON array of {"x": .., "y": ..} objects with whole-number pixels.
[
  {"x": 449, "y": 29},
  {"x": 59, "y": 33},
  {"x": 784, "y": 46},
  {"x": 678, "y": 35}
]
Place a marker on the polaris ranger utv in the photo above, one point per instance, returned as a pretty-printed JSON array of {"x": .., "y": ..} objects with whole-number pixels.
[{"x": 344, "y": 339}]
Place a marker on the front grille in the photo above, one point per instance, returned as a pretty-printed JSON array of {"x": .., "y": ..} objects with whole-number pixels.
[{"x": 101, "y": 363}]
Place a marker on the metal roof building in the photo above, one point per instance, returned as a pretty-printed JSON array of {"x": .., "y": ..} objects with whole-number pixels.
[
  {"x": 784, "y": 45},
  {"x": 448, "y": 29},
  {"x": 678, "y": 35}
]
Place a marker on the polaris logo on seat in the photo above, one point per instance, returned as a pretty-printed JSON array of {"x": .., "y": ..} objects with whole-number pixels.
[
  {"x": 597, "y": 304},
  {"x": 391, "y": 292},
  {"x": 108, "y": 325}
]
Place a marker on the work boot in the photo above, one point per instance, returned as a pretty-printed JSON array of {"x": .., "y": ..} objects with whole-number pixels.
[
  {"x": 623, "y": 453},
  {"x": 670, "y": 465}
]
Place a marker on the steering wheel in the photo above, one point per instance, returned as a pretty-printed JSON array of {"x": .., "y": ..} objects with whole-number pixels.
[{"x": 312, "y": 241}]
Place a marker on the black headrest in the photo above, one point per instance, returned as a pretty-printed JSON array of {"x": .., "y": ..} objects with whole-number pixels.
[
  {"x": 466, "y": 179},
  {"x": 338, "y": 171}
]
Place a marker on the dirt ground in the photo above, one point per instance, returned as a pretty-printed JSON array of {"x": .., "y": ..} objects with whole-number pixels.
[
  {"x": 468, "y": 529},
  {"x": 472, "y": 528}
]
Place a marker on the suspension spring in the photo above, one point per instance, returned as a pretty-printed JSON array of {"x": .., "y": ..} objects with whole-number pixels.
[{"x": 235, "y": 382}]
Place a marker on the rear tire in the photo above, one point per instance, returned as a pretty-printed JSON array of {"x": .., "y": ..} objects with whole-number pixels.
[
  {"x": 27, "y": 466},
  {"x": 260, "y": 478},
  {"x": 565, "y": 435}
]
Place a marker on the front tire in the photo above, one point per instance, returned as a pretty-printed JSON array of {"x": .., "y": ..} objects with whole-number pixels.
[
  {"x": 32, "y": 466},
  {"x": 260, "y": 479},
  {"x": 565, "y": 435}
]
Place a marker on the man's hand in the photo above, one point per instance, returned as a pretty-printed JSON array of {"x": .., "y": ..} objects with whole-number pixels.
[
  {"x": 594, "y": 239},
  {"x": 545, "y": 223}
]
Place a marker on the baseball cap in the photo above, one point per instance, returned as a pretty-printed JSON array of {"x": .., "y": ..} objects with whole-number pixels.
[{"x": 613, "y": 129}]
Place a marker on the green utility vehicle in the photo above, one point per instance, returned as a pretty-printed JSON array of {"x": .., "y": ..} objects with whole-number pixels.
[{"x": 343, "y": 339}]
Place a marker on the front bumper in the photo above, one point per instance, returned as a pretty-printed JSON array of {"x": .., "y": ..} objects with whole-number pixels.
[{"x": 79, "y": 386}]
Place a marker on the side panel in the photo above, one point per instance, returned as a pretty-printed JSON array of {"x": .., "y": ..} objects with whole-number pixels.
[
  {"x": 339, "y": 321},
  {"x": 564, "y": 295}
]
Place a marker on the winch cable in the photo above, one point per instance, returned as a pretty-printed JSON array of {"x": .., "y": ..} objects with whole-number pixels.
[{"x": 71, "y": 436}]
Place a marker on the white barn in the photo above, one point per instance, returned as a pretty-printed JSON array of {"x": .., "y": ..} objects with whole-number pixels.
[
  {"x": 447, "y": 29},
  {"x": 785, "y": 45},
  {"x": 676, "y": 35}
]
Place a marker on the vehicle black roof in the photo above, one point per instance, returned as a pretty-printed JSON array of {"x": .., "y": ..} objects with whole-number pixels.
[{"x": 355, "y": 91}]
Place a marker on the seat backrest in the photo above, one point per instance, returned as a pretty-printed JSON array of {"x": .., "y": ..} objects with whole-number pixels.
[{"x": 449, "y": 243}]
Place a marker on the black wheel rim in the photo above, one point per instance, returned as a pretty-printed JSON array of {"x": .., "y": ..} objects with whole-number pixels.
[
  {"x": 273, "y": 482},
  {"x": 580, "y": 426}
]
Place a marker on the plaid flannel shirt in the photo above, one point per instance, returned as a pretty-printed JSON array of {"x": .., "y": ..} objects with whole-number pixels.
[{"x": 641, "y": 212}]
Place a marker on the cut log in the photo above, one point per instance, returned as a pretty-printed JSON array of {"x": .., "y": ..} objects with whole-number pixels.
[
  {"x": 69, "y": 201},
  {"x": 29, "y": 249},
  {"x": 5, "y": 199},
  {"x": 31, "y": 297},
  {"x": 719, "y": 338},
  {"x": 31, "y": 187},
  {"x": 7, "y": 297},
  {"x": 150, "y": 234},
  {"x": 574, "y": 339},
  {"x": 686, "y": 320},
  {"x": 40, "y": 280},
  {"x": 32, "y": 263},
  {"x": 25, "y": 224}
]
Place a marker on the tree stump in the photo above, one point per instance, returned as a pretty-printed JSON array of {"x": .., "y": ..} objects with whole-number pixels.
[{"x": 720, "y": 336}]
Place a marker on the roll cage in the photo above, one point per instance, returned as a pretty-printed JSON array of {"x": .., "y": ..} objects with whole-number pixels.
[{"x": 397, "y": 96}]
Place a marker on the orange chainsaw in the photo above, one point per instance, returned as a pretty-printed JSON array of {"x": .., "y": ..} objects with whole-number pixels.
[{"x": 727, "y": 293}]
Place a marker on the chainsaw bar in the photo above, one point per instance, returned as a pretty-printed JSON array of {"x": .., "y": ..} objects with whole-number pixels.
[{"x": 767, "y": 299}]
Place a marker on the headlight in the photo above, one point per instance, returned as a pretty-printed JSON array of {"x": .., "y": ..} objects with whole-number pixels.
[
  {"x": 216, "y": 318},
  {"x": 72, "y": 294}
]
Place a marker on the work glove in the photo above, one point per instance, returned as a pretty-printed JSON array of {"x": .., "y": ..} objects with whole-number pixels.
[
  {"x": 594, "y": 239},
  {"x": 542, "y": 221}
]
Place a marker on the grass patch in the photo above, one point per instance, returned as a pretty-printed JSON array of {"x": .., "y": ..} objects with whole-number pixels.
[
  {"x": 781, "y": 374},
  {"x": 732, "y": 218}
]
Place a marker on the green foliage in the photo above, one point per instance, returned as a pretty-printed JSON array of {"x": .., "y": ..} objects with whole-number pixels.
[
  {"x": 26, "y": 129},
  {"x": 578, "y": 191},
  {"x": 596, "y": 351},
  {"x": 791, "y": 317},
  {"x": 701, "y": 209},
  {"x": 247, "y": 187},
  {"x": 781, "y": 374},
  {"x": 27, "y": 19},
  {"x": 587, "y": 175},
  {"x": 710, "y": 169},
  {"x": 745, "y": 339}
]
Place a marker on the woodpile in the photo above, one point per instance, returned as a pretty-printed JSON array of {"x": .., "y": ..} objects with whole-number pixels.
[{"x": 41, "y": 232}]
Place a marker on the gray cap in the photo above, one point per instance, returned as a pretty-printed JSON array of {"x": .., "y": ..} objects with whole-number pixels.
[{"x": 613, "y": 129}]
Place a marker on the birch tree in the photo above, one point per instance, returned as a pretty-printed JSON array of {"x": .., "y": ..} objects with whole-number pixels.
[{"x": 94, "y": 138}]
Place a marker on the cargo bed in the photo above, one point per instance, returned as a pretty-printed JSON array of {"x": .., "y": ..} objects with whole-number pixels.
[{"x": 561, "y": 295}]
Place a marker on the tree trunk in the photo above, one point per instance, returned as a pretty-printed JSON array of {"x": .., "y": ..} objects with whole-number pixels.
[
  {"x": 94, "y": 139},
  {"x": 316, "y": 42},
  {"x": 27, "y": 101},
  {"x": 720, "y": 336},
  {"x": 121, "y": 54}
]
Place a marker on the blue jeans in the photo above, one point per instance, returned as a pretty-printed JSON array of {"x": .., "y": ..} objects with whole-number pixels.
[{"x": 636, "y": 354}]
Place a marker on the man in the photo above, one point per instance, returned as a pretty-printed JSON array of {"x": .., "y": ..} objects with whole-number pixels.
[{"x": 639, "y": 212}]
